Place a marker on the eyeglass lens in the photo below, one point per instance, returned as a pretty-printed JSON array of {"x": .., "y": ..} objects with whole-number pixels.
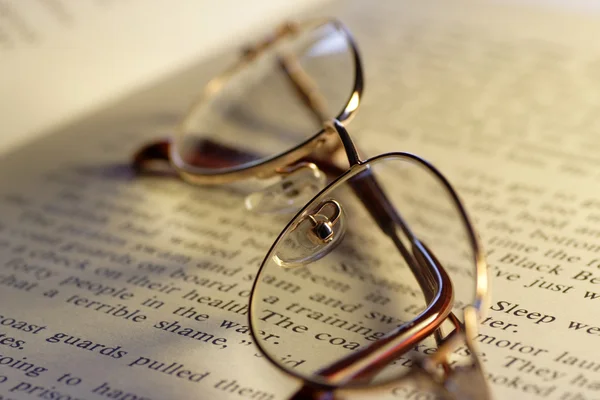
[
  {"x": 256, "y": 113},
  {"x": 339, "y": 277}
]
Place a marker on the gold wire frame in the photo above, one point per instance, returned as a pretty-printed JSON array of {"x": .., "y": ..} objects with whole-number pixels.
[
  {"x": 424, "y": 325},
  {"x": 322, "y": 140}
]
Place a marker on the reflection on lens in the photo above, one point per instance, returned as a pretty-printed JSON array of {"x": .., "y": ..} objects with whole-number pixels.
[
  {"x": 256, "y": 113},
  {"x": 326, "y": 308}
]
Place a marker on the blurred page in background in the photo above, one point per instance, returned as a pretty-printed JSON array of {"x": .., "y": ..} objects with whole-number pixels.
[
  {"x": 62, "y": 58},
  {"x": 108, "y": 279}
]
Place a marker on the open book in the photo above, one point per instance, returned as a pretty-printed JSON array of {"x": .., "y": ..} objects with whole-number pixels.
[{"x": 100, "y": 266}]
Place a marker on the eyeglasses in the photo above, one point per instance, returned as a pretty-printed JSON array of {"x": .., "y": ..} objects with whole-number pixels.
[{"x": 380, "y": 275}]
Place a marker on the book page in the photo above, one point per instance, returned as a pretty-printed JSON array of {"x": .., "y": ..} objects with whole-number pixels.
[{"x": 126, "y": 287}]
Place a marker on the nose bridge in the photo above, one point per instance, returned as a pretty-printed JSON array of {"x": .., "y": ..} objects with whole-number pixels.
[{"x": 349, "y": 146}]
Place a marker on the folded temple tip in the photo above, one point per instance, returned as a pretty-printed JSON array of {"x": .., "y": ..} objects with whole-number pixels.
[{"x": 146, "y": 159}]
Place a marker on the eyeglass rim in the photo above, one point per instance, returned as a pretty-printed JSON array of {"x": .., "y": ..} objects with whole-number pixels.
[
  {"x": 268, "y": 166},
  {"x": 478, "y": 306}
]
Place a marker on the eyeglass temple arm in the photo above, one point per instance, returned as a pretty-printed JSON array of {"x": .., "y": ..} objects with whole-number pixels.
[
  {"x": 387, "y": 218},
  {"x": 304, "y": 86}
]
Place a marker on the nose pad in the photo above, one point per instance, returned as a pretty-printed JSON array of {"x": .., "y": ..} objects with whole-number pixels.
[
  {"x": 299, "y": 185},
  {"x": 314, "y": 236}
]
